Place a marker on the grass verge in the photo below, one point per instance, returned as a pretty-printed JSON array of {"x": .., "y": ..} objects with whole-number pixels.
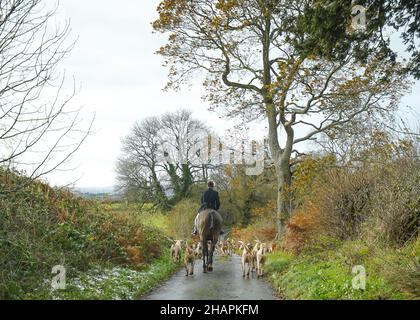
[
  {"x": 328, "y": 276},
  {"x": 111, "y": 283}
]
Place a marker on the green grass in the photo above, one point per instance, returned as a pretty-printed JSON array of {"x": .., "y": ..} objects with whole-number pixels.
[
  {"x": 278, "y": 262},
  {"x": 330, "y": 280},
  {"x": 146, "y": 215},
  {"x": 111, "y": 283},
  {"x": 329, "y": 276},
  {"x": 157, "y": 220}
]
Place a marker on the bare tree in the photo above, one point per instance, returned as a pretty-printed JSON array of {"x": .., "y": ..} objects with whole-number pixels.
[
  {"x": 250, "y": 53},
  {"x": 367, "y": 142},
  {"x": 135, "y": 182},
  {"x": 160, "y": 163},
  {"x": 38, "y": 131},
  {"x": 139, "y": 168},
  {"x": 182, "y": 136}
]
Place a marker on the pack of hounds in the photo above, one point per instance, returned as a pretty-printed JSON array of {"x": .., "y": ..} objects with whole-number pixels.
[{"x": 253, "y": 256}]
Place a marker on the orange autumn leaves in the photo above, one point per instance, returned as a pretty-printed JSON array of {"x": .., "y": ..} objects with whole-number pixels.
[{"x": 170, "y": 14}]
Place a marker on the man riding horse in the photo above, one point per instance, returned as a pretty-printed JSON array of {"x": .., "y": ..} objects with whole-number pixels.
[
  {"x": 208, "y": 225},
  {"x": 209, "y": 200}
]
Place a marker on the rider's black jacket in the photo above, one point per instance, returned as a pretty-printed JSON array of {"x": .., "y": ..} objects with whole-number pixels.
[{"x": 210, "y": 199}]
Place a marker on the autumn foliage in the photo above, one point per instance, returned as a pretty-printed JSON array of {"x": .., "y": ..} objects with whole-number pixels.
[
  {"x": 265, "y": 232},
  {"x": 379, "y": 205},
  {"x": 41, "y": 227},
  {"x": 299, "y": 229}
]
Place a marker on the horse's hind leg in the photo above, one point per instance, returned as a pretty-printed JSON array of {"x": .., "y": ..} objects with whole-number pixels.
[
  {"x": 192, "y": 268},
  {"x": 213, "y": 247},
  {"x": 205, "y": 251}
]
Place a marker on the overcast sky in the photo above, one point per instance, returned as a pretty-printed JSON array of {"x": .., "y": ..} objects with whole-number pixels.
[{"x": 121, "y": 80}]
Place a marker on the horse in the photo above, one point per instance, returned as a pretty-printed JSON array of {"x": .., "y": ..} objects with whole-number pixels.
[{"x": 209, "y": 225}]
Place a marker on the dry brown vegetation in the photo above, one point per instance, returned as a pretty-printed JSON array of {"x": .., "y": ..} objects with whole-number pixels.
[{"x": 41, "y": 227}]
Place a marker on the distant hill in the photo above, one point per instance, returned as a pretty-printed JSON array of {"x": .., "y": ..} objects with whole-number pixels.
[{"x": 96, "y": 192}]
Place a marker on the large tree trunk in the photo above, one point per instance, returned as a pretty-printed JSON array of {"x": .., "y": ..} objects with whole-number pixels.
[
  {"x": 181, "y": 184},
  {"x": 281, "y": 159},
  {"x": 284, "y": 182},
  {"x": 186, "y": 179},
  {"x": 175, "y": 181}
]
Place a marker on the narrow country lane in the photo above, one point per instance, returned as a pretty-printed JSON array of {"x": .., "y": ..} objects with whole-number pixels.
[{"x": 224, "y": 283}]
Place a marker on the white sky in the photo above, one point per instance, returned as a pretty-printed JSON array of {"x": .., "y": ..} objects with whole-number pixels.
[{"x": 121, "y": 80}]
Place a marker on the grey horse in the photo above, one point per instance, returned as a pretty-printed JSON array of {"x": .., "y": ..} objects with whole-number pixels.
[{"x": 209, "y": 225}]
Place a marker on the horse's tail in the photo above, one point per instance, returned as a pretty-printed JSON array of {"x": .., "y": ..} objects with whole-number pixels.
[{"x": 210, "y": 219}]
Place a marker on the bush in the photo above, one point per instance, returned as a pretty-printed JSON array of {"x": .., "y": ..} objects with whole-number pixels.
[
  {"x": 299, "y": 230},
  {"x": 181, "y": 219},
  {"x": 264, "y": 231},
  {"x": 247, "y": 198},
  {"x": 335, "y": 206},
  {"x": 41, "y": 227},
  {"x": 343, "y": 203},
  {"x": 364, "y": 203},
  {"x": 395, "y": 205}
]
